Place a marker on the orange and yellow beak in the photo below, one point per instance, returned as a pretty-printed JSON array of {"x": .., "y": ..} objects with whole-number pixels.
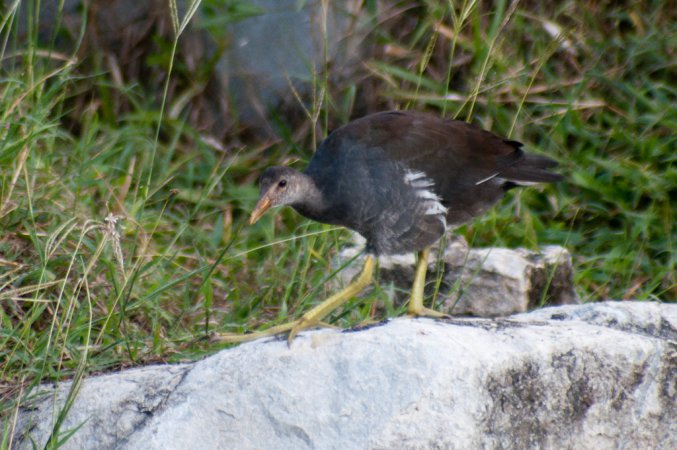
[{"x": 261, "y": 207}]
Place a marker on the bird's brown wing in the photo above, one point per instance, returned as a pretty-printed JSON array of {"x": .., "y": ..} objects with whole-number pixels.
[
  {"x": 441, "y": 148},
  {"x": 461, "y": 158}
]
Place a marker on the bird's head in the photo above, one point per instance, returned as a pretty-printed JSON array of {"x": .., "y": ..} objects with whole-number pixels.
[{"x": 278, "y": 186}]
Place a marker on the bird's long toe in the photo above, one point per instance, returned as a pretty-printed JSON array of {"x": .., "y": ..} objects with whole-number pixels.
[
  {"x": 427, "y": 312},
  {"x": 299, "y": 325},
  {"x": 233, "y": 338}
]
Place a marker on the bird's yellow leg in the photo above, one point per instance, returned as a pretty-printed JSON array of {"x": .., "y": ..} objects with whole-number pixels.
[
  {"x": 315, "y": 315},
  {"x": 416, "y": 307}
]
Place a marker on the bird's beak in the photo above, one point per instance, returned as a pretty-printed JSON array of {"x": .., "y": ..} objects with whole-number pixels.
[{"x": 261, "y": 207}]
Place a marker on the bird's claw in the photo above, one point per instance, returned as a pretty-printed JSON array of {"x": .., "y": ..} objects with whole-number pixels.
[
  {"x": 427, "y": 312},
  {"x": 299, "y": 325}
]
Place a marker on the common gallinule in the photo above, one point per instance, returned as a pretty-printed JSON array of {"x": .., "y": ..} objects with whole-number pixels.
[{"x": 399, "y": 179}]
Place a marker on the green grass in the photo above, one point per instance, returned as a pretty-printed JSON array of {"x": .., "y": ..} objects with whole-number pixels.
[{"x": 123, "y": 236}]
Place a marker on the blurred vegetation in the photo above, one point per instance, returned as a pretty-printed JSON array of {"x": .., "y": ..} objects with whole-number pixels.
[{"x": 123, "y": 200}]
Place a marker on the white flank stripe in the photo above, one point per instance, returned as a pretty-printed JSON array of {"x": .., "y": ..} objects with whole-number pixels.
[
  {"x": 484, "y": 180},
  {"x": 410, "y": 176},
  {"x": 436, "y": 208},
  {"x": 417, "y": 179},
  {"x": 432, "y": 202},
  {"x": 428, "y": 195},
  {"x": 422, "y": 183}
]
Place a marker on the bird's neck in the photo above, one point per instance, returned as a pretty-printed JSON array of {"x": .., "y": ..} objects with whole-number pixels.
[{"x": 314, "y": 204}]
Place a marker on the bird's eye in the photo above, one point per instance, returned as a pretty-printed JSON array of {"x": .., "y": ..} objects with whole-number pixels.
[{"x": 282, "y": 183}]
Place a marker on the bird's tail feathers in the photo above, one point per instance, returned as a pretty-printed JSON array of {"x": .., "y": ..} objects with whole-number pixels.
[{"x": 532, "y": 169}]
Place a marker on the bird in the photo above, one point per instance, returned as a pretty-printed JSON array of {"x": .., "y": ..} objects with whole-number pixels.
[{"x": 400, "y": 179}]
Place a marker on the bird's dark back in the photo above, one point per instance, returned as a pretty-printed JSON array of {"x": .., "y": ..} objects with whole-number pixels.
[{"x": 363, "y": 168}]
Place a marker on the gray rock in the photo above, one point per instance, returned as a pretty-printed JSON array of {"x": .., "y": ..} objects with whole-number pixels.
[
  {"x": 483, "y": 282},
  {"x": 263, "y": 50},
  {"x": 284, "y": 48},
  {"x": 109, "y": 408},
  {"x": 586, "y": 376}
]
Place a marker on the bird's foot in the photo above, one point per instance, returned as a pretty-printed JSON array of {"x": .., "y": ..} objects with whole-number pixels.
[
  {"x": 234, "y": 338},
  {"x": 299, "y": 325},
  {"x": 311, "y": 319},
  {"x": 422, "y": 311},
  {"x": 416, "y": 308},
  {"x": 294, "y": 328}
]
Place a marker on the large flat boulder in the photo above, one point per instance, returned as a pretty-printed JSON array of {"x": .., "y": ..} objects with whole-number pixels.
[{"x": 580, "y": 376}]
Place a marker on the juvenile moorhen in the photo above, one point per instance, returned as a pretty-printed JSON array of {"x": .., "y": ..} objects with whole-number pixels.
[{"x": 400, "y": 179}]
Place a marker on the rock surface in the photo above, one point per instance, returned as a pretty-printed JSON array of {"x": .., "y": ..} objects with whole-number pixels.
[
  {"x": 585, "y": 376},
  {"x": 283, "y": 47},
  {"x": 481, "y": 282},
  {"x": 263, "y": 49}
]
